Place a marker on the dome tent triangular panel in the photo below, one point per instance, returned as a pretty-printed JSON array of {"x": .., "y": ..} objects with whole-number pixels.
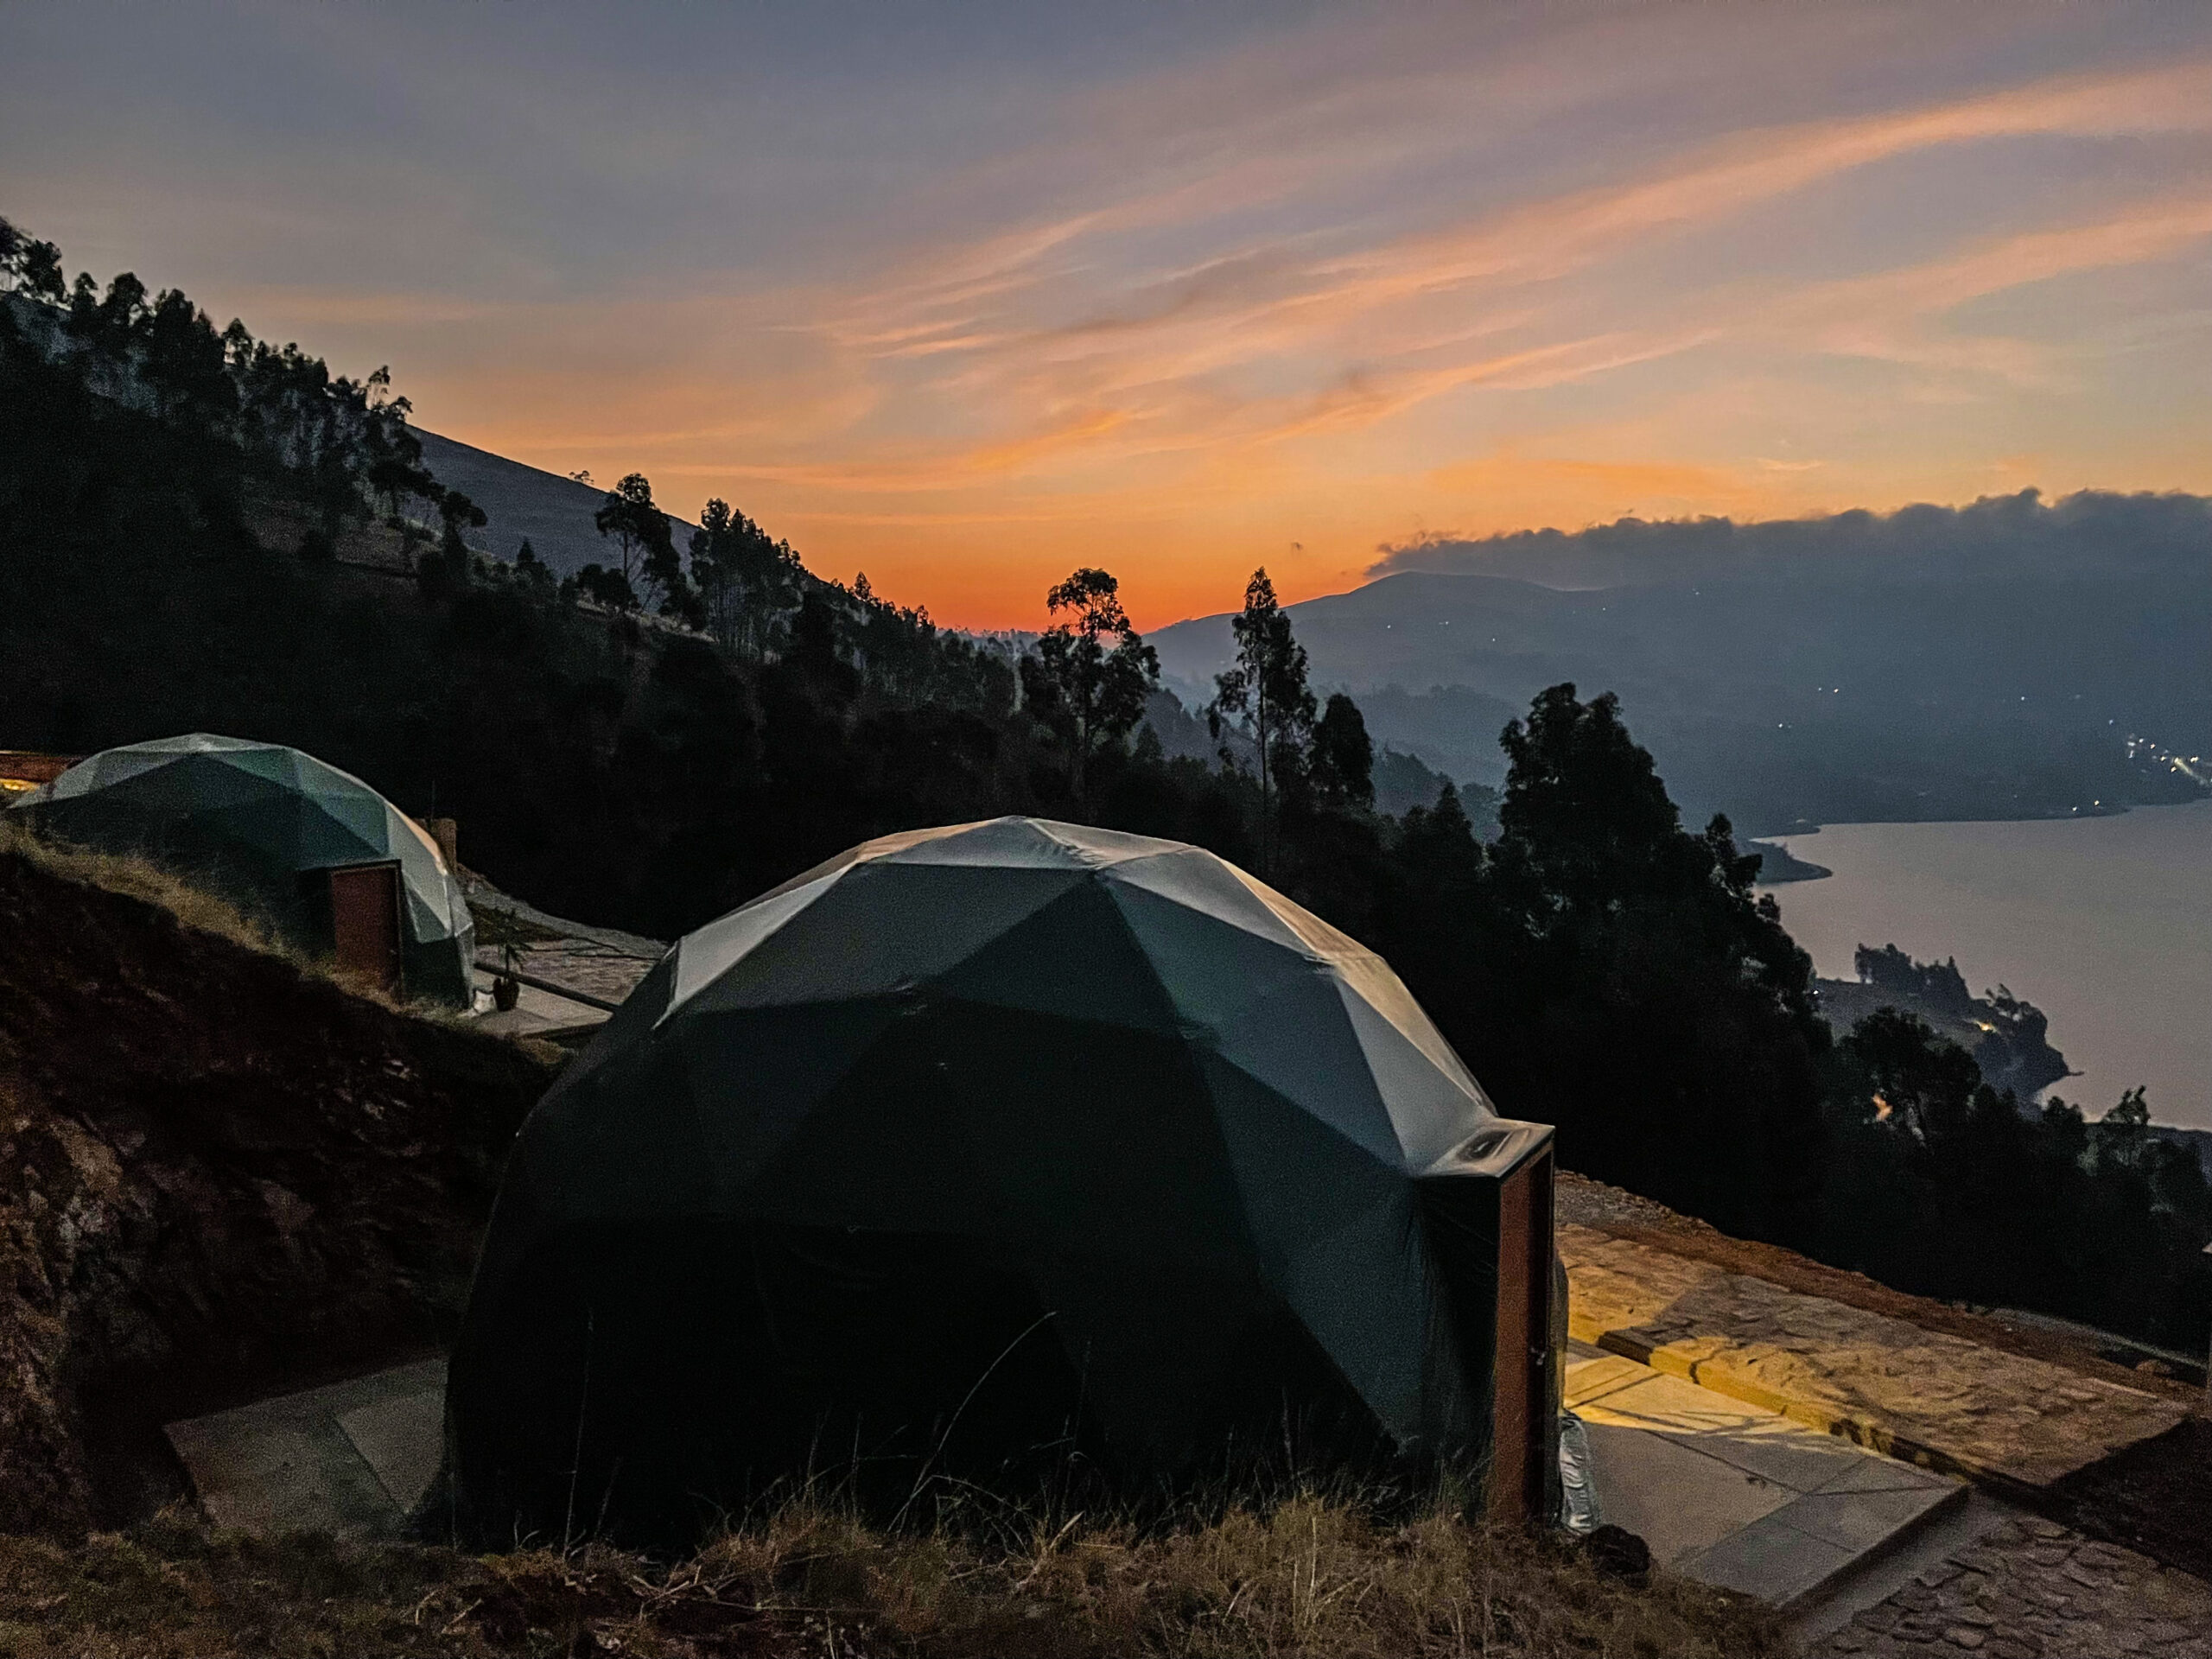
[
  {"x": 968, "y": 1149},
  {"x": 259, "y": 824},
  {"x": 1075, "y": 952}
]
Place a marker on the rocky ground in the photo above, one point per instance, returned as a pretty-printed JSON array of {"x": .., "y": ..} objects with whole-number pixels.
[
  {"x": 220, "y": 1173},
  {"x": 2155, "y": 1498}
]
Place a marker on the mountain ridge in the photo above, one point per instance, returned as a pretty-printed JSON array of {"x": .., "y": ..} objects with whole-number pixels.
[
  {"x": 522, "y": 502},
  {"x": 2033, "y": 661}
]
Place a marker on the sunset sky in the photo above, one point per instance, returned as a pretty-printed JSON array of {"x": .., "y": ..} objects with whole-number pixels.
[{"x": 962, "y": 296}]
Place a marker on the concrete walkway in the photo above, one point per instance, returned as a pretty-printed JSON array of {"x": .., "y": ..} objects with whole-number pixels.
[
  {"x": 2008, "y": 1422},
  {"x": 352, "y": 1459},
  {"x": 1737, "y": 1496}
]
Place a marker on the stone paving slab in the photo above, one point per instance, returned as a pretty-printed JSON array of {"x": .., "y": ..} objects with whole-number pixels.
[
  {"x": 1769, "y": 1559},
  {"x": 2014, "y": 1423},
  {"x": 592, "y": 969},
  {"x": 351, "y": 1459},
  {"x": 1735, "y": 1495},
  {"x": 2030, "y": 1589},
  {"x": 402, "y": 1436},
  {"x": 537, "y": 1013}
]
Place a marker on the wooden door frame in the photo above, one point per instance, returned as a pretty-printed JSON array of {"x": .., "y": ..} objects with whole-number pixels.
[
  {"x": 396, "y": 984},
  {"x": 1523, "y": 1500}
]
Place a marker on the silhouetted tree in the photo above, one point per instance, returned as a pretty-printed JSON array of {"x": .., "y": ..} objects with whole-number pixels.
[
  {"x": 1940, "y": 985},
  {"x": 1090, "y": 693},
  {"x": 1921, "y": 1086},
  {"x": 32, "y": 267},
  {"x": 444, "y": 571},
  {"x": 748, "y": 584},
  {"x": 283, "y": 408},
  {"x": 639, "y": 530},
  {"x": 458, "y": 513},
  {"x": 1941, "y": 1185},
  {"x": 1635, "y": 990},
  {"x": 531, "y": 569},
  {"x": 1265, "y": 694},
  {"x": 1340, "y": 770},
  {"x": 815, "y": 658},
  {"x": 602, "y": 586},
  {"x": 112, "y": 322}
]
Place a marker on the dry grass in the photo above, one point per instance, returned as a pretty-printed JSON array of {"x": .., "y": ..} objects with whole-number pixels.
[
  {"x": 193, "y": 907},
  {"x": 1311, "y": 1578},
  {"x": 138, "y": 878}
]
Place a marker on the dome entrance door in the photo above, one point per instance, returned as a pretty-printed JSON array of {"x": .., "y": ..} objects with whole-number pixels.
[{"x": 364, "y": 923}]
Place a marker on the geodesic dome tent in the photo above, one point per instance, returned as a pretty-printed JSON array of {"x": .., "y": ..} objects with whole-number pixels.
[
  {"x": 269, "y": 828},
  {"x": 990, "y": 1147}
]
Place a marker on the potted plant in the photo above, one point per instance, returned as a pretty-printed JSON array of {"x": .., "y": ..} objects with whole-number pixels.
[{"x": 506, "y": 989}]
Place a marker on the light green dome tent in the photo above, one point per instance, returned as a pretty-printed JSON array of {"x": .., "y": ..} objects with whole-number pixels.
[
  {"x": 980, "y": 1147},
  {"x": 279, "y": 833}
]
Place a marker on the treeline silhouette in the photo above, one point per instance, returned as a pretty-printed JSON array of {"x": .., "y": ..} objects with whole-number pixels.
[
  {"x": 1599, "y": 965},
  {"x": 1939, "y": 1184}
]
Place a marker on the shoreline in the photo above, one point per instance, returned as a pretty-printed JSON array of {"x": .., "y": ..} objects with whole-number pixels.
[{"x": 2106, "y": 929}]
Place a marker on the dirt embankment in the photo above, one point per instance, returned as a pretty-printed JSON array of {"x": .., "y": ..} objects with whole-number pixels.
[{"x": 218, "y": 1174}]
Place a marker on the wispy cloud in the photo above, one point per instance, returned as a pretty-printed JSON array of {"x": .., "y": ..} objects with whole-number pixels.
[
  {"x": 964, "y": 304},
  {"x": 1886, "y": 314},
  {"x": 1201, "y": 355}
]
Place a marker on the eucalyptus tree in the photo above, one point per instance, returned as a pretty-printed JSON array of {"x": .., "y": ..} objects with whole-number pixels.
[
  {"x": 747, "y": 582},
  {"x": 634, "y": 523},
  {"x": 1265, "y": 694},
  {"x": 1089, "y": 692}
]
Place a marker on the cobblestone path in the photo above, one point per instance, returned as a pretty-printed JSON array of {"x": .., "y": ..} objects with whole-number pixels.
[{"x": 2032, "y": 1590}]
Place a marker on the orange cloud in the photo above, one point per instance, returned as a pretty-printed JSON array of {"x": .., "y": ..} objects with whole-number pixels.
[
  {"x": 1161, "y": 352},
  {"x": 1055, "y": 390}
]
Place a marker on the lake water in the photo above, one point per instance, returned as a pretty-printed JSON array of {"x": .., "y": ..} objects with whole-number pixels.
[{"x": 2104, "y": 923}]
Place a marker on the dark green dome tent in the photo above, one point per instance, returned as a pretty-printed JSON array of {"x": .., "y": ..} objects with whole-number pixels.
[
  {"x": 975, "y": 1147},
  {"x": 325, "y": 862}
]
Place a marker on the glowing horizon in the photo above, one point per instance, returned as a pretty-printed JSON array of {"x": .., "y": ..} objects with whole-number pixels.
[{"x": 967, "y": 299}]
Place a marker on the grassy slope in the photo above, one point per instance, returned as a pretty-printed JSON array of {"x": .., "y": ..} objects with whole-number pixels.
[
  {"x": 221, "y": 1172},
  {"x": 1310, "y": 1578}
]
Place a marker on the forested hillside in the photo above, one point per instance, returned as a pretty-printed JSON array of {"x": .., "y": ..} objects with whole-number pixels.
[{"x": 654, "y": 746}]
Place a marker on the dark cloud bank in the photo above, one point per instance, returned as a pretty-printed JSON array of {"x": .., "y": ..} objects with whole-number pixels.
[{"x": 1995, "y": 537}]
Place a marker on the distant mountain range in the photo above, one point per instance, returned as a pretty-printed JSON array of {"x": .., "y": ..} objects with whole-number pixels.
[{"x": 2007, "y": 659}]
